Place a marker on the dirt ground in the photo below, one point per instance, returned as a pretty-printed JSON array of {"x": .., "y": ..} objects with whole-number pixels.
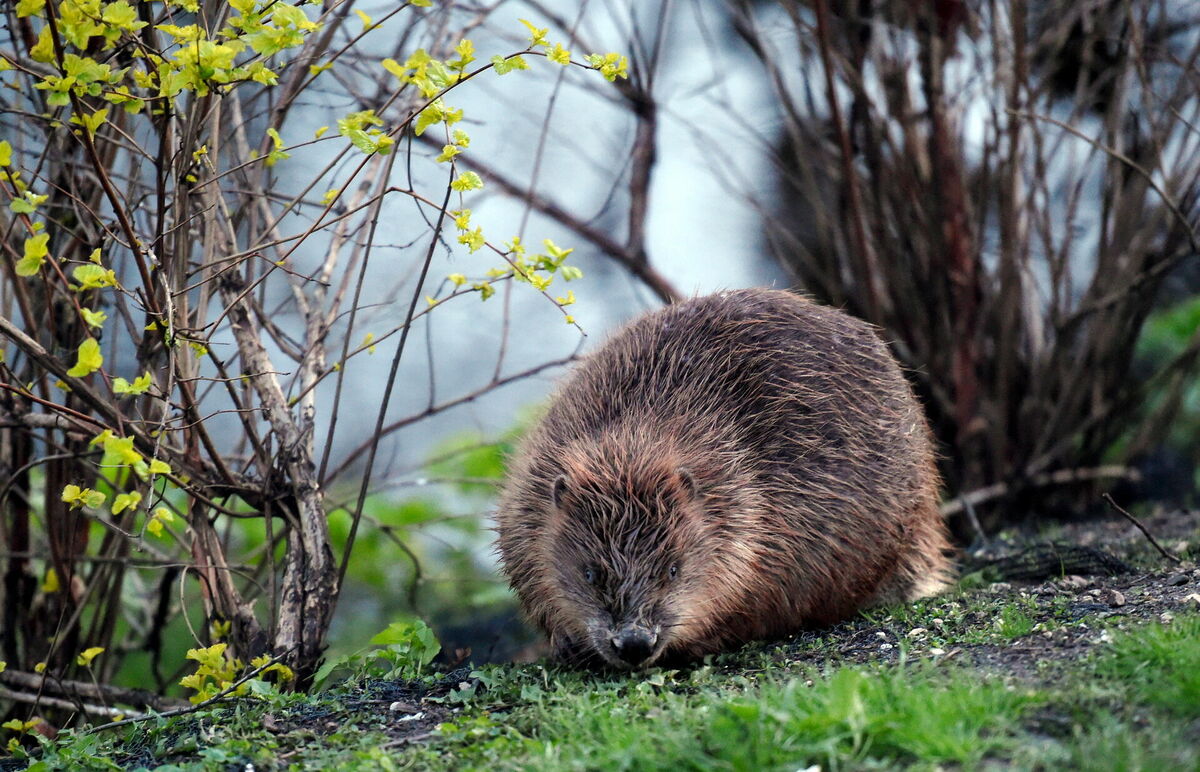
[{"x": 1156, "y": 588}]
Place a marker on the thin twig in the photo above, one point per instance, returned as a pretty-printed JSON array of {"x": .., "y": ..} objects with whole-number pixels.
[{"x": 1142, "y": 528}]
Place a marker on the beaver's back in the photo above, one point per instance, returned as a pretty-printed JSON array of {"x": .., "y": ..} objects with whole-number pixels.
[{"x": 802, "y": 391}]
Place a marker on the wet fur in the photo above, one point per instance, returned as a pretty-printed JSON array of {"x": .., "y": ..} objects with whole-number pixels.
[{"x": 767, "y": 445}]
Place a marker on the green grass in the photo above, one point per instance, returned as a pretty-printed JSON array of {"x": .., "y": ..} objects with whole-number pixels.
[
  {"x": 1132, "y": 705},
  {"x": 1160, "y": 666},
  {"x": 854, "y": 717}
]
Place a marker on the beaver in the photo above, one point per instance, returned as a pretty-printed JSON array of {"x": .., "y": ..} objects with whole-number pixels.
[{"x": 730, "y": 468}]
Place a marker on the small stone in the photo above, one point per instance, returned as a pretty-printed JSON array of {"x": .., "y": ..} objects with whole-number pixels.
[
  {"x": 1194, "y": 599},
  {"x": 937, "y": 652},
  {"x": 939, "y": 624},
  {"x": 885, "y": 647},
  {"x": 1113, "y": 598},
  {"x": 1166, "y": 617},
  {"x": 1074, "y": 581},
  {"x": 1174, "y": 580},
  {"x": 917, "y": 632},
  {"x": 881, "y": 635},
  {"x": 1001, "y": 587},
  {"x": 413, "y": 717},
  {"x": 1179, "y": 547},
  {"x": 407, "y": 707}
]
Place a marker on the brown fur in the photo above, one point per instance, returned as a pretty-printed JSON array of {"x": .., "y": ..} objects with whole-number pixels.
[{"x": 767, "y": 447}]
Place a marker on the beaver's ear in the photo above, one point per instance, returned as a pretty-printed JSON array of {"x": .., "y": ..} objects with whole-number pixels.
[{"x": 558, "y": 490}]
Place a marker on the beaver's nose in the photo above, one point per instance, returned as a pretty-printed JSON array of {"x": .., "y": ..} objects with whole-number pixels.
[{"x": 634, "y": 644}]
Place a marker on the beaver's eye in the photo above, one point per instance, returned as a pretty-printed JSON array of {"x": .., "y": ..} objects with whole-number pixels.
[
  {"x": 589, "y": 576},
  {"x": 674, "y": 570}
]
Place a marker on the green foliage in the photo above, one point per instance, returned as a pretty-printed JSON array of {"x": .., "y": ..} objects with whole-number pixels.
[
  {"x": 403, "y": 650},
  {"x": 1166, "y": 336}
]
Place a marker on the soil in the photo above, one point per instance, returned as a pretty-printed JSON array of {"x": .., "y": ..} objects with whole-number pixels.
[{"x": 1070, "y": 613}]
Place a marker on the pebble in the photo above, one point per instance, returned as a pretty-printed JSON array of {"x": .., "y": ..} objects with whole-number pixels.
[
  {"x": 1174, "y": 580},
  {"x": 917, "y": 632},
  {"x": 1166, "y": 617},
  {"x": 886, "y": 647},
  {"x": 1193, "y": 598},
  {"x": 1113, "y": 598}
]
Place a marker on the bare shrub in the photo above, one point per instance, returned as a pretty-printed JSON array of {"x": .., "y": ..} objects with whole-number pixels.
[
  {"x": 1003, "y": 187},
  {"x": 179, "y": 282}
]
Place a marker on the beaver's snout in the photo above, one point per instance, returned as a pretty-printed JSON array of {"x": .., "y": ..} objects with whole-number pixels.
[{"x": 634, "y": 644}]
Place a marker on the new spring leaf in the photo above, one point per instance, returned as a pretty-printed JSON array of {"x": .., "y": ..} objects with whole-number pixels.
[{"x": 88, "y": 359}]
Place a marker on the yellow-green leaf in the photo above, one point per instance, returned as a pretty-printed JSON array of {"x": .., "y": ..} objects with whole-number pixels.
[
  {"x": 5, "y": 153},
  {"x": 87, "y": 655},
  {"x": 559, "y": 55},
  {"x": 467, "y": 181},
  {"x": 94, "y": 319},
  {"x": 91, "y": 122},
  {"x": 139, "y": 385},
  {"x": 92, "y": 276},
  {"x": 126, "y": 501},
  {"x": 503, "y": 65},
  {"x": 88, "y": 359},
  {"x": 36, "y": 250},
  {"x": 537, "y": 35},
  {"x": 29, "y": 7}
]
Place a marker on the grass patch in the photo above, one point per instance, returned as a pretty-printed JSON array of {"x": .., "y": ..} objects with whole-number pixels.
[
  {"x": 1134, "y": 704},
  {"x": 1160, "y": 666},
  {"x": 858, "y": 718},
  {"x": 1014, "y": 622},
  {"x": 855, "y": 717}
]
